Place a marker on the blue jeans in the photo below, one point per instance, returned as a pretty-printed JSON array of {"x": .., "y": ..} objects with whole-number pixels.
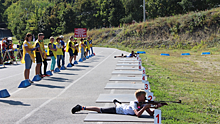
[
  {"x": 91, "y": 49},
  {"x": 59, "y": 57},
  {"x": 82, "y": 53},
  {"x": 28, "y": 61}
]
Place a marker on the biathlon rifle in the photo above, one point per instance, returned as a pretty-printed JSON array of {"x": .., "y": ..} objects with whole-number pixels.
[{"x": 157, "y": 102}]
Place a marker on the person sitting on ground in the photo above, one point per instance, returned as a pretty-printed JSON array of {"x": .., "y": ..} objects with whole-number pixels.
[
  {"x": 19, "y": 46},
  {"x": 4, "y": 46},
  {"x": 59, "y": 52},
  {"x": 70, "y": 48},
  {"x": 132, "y": 54},
  {"x": 51, "y": 51},
  {"x": 134, "y": 108},
  {"x": 11, "y": 52}
]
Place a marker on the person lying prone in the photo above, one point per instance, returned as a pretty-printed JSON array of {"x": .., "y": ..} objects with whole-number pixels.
[{"x": 134, "y": 108}]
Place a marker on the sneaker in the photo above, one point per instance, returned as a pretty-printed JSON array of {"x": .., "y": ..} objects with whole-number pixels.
[
  {"x": 30, "y": 81},
  {"x": 41, "y": 76},
  {"x": 76, "y": 109},
  {"x": 116, "y": 101},
  {"x": 72, "y": 64}
]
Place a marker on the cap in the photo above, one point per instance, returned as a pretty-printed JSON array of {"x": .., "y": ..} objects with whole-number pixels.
[{"x": 61, "y": 36}]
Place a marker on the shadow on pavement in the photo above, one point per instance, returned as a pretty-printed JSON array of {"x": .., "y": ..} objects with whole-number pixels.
[
  {"x": 2, "y": 67},
  {"x": 56, "y": 79},
  {"x": 76, "y": 69},
  {"x": 81, "y": 113},
  {"x": 67, "y": 74},
  {"x": 49, "y": 86},
  {"x": 12, "y": 102},
  {"x": 83, "y": 66}
]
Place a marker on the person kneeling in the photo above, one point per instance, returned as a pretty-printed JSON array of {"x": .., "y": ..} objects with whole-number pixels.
[{"x": 134, "y": 108}]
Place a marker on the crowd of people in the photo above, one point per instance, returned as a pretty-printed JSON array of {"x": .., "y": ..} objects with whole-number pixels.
[
  {"x": 56, "y": 48},
  {"x": 6, "y": 45}
]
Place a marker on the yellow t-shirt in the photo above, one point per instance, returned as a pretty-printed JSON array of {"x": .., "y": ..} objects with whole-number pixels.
[
  {"x": 48, "y": 50},
  {"x": 59, "y": 48},
  {"x": 30, "y": 46}
]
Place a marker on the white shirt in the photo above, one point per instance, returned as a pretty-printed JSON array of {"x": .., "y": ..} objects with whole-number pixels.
[{"x": 127, "y": 109}]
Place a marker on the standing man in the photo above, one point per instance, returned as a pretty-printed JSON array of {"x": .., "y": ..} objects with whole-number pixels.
[
  {"x": 70, "y": 48},
  {"x": 81, "y": 48},
  {"x": 90, "y": 44},
  {"x": 63, "y": 45},
  {"x": 40, "y": 55},
  {"x": 76, "y": 50}
]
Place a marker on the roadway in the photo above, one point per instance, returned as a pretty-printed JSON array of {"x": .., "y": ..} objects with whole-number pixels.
[{"x": 51, "y": 99}]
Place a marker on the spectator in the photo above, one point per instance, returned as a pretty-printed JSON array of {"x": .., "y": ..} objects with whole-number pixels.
[
  {"x": 63, "y": 44},
  {"x": 59, "y": 52},
  {"x": 28, "y": 56},
  {"x": 51, "y": 51}
]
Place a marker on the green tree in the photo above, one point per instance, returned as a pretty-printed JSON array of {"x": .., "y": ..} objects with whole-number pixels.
[
  {"x": 117, "y": 12},
  {"x": 133, "y": 10}
]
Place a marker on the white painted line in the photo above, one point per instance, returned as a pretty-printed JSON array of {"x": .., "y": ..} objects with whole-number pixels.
[
  {"x": 16, "y": 91},
  {"x": 11, "y": 76},
  {"x": 49, "y": 100}
]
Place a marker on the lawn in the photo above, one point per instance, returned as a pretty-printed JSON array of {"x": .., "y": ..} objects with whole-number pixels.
[{"x": 193, "y": 79}]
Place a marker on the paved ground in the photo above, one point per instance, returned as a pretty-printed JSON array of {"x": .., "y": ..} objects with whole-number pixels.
[{"x": 51, "y": 99}]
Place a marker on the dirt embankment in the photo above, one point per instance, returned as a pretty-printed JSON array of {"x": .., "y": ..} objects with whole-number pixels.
[{"x": 180, "y": 31}]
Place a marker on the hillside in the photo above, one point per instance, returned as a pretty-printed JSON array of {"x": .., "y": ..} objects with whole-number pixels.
[{"x": 193, "y": 30}]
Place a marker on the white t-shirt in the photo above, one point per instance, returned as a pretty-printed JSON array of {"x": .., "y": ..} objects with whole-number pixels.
[
  {"x": 27, "y": 45},
  {"x": 127, "y": 109}
]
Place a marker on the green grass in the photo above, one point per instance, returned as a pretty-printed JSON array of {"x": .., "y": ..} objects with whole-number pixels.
[{"x": 193, "y": 79}]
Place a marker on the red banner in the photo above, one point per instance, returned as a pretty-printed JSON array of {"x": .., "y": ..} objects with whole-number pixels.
[{"x": 80, "y": 32}]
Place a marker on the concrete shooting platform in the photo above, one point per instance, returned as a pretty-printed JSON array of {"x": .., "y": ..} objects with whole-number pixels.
[
  {"x": 127, "y": 68},
  {"x": 98, "y": 117},
  {"x": 128, "y": 59},
  {"x": 126, "y": 78},
  {"x": 127, "y": 86},
  {"x": 108, "y": 98},
  {"x": 126, "y": 64},
  {"x": 128, "y": 72}
]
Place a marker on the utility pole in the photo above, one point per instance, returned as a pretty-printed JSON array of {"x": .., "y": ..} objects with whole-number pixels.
[{"x": 144, "y": 17}]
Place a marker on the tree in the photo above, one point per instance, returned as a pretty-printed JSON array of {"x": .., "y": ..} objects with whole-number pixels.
[
  {"x": 117, "y": 12},
  {"x": 133, "y": 10}
]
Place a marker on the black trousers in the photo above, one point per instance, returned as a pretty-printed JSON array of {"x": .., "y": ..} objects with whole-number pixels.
[{"x": 45, "y": 67}]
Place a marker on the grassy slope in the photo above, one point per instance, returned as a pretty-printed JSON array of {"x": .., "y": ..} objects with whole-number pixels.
[{"x": 193, "y": 30}]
